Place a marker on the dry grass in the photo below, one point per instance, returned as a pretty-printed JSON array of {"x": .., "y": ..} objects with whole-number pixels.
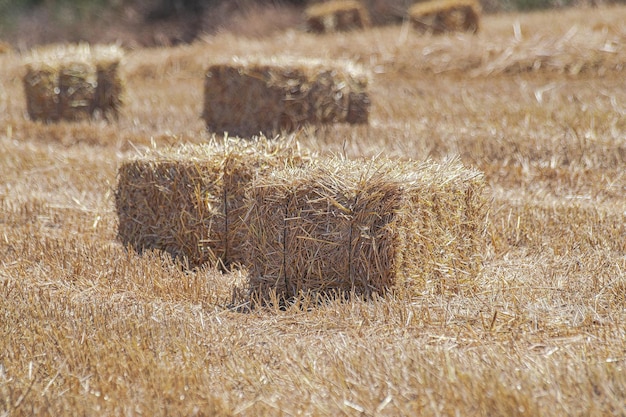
[{"x": 535, "y": 101}]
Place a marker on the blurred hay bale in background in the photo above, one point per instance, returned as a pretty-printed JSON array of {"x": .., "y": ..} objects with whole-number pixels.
[
  {"x": 337, "y": 15},
  {"x": 441, "y": 16},
  {"x": 275, "y": 95},
  {"x": 73, "y": 82},
  {"x": 367, "y": 227},
  {"x": 188, "y": 201}
]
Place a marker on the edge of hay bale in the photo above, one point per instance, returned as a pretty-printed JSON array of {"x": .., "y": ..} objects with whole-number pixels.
[
  {"x": 441, "y": 16},
  {"x": 188, "y": 201},
  {"x": 365, "y": 227},
  {"x": 245, "y": 97},
  {"x": 337, "y": 15},
  {"x": 73, "y": 82}
]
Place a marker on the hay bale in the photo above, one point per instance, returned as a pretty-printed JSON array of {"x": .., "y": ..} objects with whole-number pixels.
[
  {"x": 270, "y": 96},
  {"x": 73, "y": 82},
  {"x": 441, "y": 16},
  {"x": 338, "y": 15},
  {"x": 367, "y": 227},
  {"x": 189, "y": 201}
]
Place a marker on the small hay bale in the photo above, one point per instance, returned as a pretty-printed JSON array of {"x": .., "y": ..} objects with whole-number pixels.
[
  {"x": 189, "y": 201},
  {"x": 365, "y": 227},
  {"x": 73, "y": 82},
  {"x": 335, "y": 16},
  {"x": 271, "y": 96},
  {"x": 441, "y": 16}
]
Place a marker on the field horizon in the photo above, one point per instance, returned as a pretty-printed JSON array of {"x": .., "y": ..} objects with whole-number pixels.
[{"x": 535, "y": 101}]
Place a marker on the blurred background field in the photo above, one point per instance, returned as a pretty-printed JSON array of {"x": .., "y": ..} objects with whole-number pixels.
[{"x": 536, "y": 101}]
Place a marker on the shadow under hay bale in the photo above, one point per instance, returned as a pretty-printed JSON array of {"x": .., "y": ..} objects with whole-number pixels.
[
  {"x": 245, "y": 98},
  {"x": 364, "y": 228},
  {"x": 189, "y": 201},
  {"x": 334, "y": 16},
  {"x": 442, "y": 16},
  {"x": 73, "y": 82}
]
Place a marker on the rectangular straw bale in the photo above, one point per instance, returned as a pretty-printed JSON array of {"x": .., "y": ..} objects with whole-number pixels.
[
  {"x": 338, "y": 15},
  {"x": 367, "y": 227},
  {"x": 73, "y": 82},
  {"x": 440, "y": 16},
  {"x": 275, "y": 95},
  {"x": 189, "y": 201}
]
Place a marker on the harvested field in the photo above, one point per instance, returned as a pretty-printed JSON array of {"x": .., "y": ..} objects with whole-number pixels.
[
  {"x": 271, "y": 96},
  {"x": 535, "y": 102}
]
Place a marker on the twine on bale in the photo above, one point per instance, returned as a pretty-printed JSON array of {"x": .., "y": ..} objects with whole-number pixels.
[
  {"x": 353, "y": 227},
  {"x": 274, "y": 95},
  {"x": 73, "y": 82},
  {"x": 189, "y": 201}
]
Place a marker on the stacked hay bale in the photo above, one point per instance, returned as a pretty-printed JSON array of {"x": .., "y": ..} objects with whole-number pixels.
[
  {"x": 441, "y": 16},
  {"x": 343, "y": 226},
  {"x": 337, "y": 15},
  {"x": 269, "y": 96},
  {"x": 73, "y": 82},
  {"x": 189, "y": 201}
]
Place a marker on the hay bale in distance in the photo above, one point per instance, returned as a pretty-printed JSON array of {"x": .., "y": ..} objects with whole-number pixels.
[
  {"x": 441, "y": 16},
  {"x": 338, "y": 15},
  {"x": 367, "y": 227},
  {"x": 73, "y": 82},
  {"x": 271, "y": 96},
  {"x": 188, "y": 201}
]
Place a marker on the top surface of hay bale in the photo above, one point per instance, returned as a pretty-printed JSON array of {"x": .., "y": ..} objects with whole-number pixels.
[
  {"x": 270, "y": 95},
  {"x": 59, "y": 55},
  {"x": 434, "y": 6},
  {"x": 188, "y": 201},
  {"x": 329, "y": 7},
  {"x": 365, "y": 227}
]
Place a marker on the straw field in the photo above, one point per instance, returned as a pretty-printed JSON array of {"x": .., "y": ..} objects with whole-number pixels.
[{"x": 535, "y": 102}]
